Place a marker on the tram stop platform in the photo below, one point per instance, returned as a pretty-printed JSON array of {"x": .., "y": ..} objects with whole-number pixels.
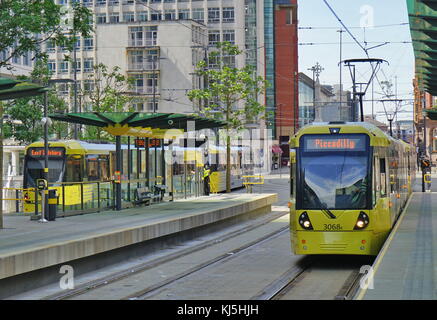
[
  {"x": 406, "y": 267},
  {"x": 27, "y": 246}
]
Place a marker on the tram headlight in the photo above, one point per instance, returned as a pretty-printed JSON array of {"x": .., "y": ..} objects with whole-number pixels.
[
  {"x": 304, "y": 221},
  {"x": 362, "y": 221}
]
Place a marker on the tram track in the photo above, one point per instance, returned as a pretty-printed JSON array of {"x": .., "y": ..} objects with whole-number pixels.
[
  {"x": 286, "y": 286},
  {"x": 151, "y": 291},
  {"x": 128, "y": 272}
]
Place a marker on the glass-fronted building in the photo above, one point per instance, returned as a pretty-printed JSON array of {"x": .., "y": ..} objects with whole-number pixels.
[{"x": 306, "y": 100}]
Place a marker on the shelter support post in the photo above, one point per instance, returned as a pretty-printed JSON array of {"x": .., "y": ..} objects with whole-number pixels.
[{"x": 118, "y": 171}]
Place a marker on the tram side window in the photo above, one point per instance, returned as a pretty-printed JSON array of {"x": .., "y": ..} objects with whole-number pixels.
[
  {"x": 376, "y": 179},
  {"x": 292, "y": 178},
  {"x": 92, "y": 168},
  {"x": 104, "y": 168},
  {"x": 74, "y": 169},
  {"x": 382, "y": 169}
]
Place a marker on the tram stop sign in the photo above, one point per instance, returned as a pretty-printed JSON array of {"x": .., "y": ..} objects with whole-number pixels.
[{"x": 41, "y": 184}]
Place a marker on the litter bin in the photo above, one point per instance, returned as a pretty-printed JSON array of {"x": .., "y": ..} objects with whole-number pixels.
[{"x": 53, "y": 205}]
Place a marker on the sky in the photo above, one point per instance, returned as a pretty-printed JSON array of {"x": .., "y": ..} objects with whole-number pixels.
[{"x": 370, "y": 21}]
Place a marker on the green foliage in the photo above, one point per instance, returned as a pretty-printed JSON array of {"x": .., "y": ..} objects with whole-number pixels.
[
  {"x": 25, "y": 24},
  {"x": 227, "y": 87},
  {"x": 108, "y": 94},
  {"x": 25, "y": 114}
]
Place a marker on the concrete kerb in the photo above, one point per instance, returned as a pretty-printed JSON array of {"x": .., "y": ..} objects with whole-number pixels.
[{"x": 49, "y": 255}]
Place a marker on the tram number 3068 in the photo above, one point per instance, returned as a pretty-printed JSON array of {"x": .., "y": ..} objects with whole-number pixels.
[{"x": 332, "y": 227}]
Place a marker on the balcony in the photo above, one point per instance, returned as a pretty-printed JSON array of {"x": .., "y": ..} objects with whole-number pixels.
[
  {"x": 146, "y": 90},
  {"x": 142, "y": 42},
  {"x": 143, "y": 66}
]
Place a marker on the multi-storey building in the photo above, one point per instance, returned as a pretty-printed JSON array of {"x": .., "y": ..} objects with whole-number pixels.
[
  {"x": 19, "y": 66},
  {"x": 158, "y": 44},
  {"x": 286, "y": 70}
]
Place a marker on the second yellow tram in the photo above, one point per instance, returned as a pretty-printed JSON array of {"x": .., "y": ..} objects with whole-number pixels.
[{"x": 349, "y": 183}]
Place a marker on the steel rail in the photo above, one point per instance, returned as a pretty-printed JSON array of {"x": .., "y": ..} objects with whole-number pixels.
[{"x": 117, "y": 276}]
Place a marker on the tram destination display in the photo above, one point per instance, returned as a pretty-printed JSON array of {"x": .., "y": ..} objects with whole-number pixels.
[
  {"x": 337, "y": 143},
  {"x": 39, "y": 153}
]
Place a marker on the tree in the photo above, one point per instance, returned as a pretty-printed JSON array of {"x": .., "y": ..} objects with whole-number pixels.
[
  {"x": 26, "y": 24},
  {"x": 25, "y": 114},
  {"x": 227, "y": 89},
  {"x": 106, "y": 90}
]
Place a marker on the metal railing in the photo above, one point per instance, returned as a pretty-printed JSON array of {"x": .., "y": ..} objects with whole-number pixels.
[
  {"x": 75, "y": 198},
  {"x": 143, "y": 66},
  {"x": 250, "y": 181}
]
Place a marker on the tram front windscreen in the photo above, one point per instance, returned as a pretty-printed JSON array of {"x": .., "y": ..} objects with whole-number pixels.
[
  {"x": 34, "y": 165},
  {"x": 334, "y": 172}
]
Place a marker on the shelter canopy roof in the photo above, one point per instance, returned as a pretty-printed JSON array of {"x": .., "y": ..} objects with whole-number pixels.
[{"x": 140, "y": 124}]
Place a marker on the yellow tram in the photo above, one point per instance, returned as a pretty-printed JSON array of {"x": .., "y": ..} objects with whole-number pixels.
[
  {"x": 81, "y": 170},
  {"x": 349, "y": 183},
  {"x": 72, "y": 165}
]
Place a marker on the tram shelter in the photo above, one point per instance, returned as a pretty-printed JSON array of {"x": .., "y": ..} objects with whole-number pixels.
[
  {"x": 149, "y": 126},
  {"x": 13, "y": 89}
]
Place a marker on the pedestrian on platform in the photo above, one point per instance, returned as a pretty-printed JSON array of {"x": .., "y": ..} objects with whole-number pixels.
[{"x": 206, "y": 179}]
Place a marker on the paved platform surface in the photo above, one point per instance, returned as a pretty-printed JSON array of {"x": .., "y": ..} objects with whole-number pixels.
[
  {"x": 406, "y": 268},
  {"x": 29, "y": 245}
]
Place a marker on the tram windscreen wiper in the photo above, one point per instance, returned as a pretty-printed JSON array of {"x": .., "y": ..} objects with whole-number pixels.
[{"x": 329, "y": 213}]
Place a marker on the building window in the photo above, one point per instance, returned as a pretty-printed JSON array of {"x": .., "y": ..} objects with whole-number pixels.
[
  {"x": 114, "y": 18},
  {"x": 156, "y": 15},
  {"x": 152, "y": 106},
  {"x": 77, "y": 44},
  {"x": 142, "y": 16},
  {"x": 229, "y": 60},
  {"x": 152, "y": 82},
  {"x": 138, "y": 83},
  {"x": 213, "y": 37},
  {"x": 139, "y": 36},
  {"x": 135, "y": 36},
  {"x": 139, "y": 106},
  {"x": 88, "y": 44},
  {"x": 214, "y": 61},
  {"x": 184, "y": 14},
  {"x": 50, "y": 46},
  {"x": 88, "y": 65},
  {"x": 289, "y": 16},
  {"x": 63, "y": 88},
  {"x": 101, "y": 18},
  {"x": 88, "y": 85},
  {"x": 129, "y": 17},
  {"x": 100, "y": 3},
  {"x": 229, "y": 36},
  {"x": 63, "y": 66},
  {"x": 113, "y": 2},
  {"x": 198, "y": 15},
  {"x": 51, "y": 65},
  {"x": 26, "y": 59},
  {"x": 228, "y": 14},
  {"x": 213, "y": 15},
  {"x": 170, "y": 15},
  {"x": 151, "y": 35},
  {"x": 77, "y": 65}
]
